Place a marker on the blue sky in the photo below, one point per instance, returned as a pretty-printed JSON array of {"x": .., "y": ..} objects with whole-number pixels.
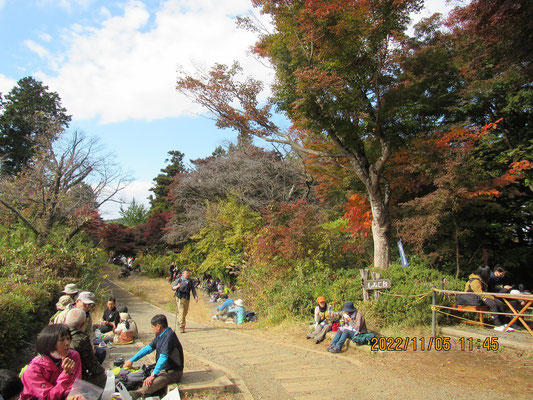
[{"x": 114, "y": 65}]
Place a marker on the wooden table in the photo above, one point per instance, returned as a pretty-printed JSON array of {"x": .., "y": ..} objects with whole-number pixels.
[{"x": 527, "y": 298}]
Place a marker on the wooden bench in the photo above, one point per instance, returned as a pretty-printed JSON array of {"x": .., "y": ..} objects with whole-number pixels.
[{"x": 463, "y": 308}]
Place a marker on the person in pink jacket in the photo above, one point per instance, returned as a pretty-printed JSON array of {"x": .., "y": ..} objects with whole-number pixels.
[{"x": 52, "y": 373}]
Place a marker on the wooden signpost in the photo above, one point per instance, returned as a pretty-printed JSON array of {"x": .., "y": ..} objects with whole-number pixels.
[{"x": 375, "y": 284}]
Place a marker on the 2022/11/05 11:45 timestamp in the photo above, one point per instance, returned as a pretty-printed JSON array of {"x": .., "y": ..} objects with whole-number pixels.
[{"x": 469, "y": 343}]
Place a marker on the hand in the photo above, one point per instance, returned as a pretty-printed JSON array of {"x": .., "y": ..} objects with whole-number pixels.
[
  {"x": 128, "y": 364},
  {"x": 68, "y": 365},
  {"x": 507, "y": 287},
  {"x": 196, "y": 298},
  {"x": 148, "y": 381}
]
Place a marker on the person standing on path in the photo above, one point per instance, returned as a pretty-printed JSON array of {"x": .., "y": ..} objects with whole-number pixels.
[
  {"x": 169, "y": 358},
  {"x": 183, "y": 287}
]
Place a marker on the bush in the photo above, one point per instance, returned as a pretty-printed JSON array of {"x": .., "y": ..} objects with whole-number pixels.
[
  {"x": 31, "y": 279},
  {"x": 294, "y": 293}
]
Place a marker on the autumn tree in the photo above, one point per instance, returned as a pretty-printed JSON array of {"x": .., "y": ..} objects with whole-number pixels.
[
  {"x": 253, "y": 176},
  {"x": 134, "y": 214},
  {"x": 335, "y": 64},
  {"x": 62, "y": 184},
  {"x": 31, "y": 117}
]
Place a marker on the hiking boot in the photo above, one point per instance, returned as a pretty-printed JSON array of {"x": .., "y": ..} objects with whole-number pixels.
[
  {"x": 182, "y": 329},
  {"x": 307, "y": 336},
  {"x": 317, "y": 341}
]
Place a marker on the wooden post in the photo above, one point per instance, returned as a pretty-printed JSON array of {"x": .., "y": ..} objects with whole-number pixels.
[
  {"x": 364, "y": 277},
  {"x": 434, "y": 313}
]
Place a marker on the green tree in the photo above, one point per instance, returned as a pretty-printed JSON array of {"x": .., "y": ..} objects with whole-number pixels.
[
  {"x": 31, "y": 117},
  {"x": 159, "y": 201},
  {"x": 135, "y": 214},
  {"x": 336, "y": 63}
]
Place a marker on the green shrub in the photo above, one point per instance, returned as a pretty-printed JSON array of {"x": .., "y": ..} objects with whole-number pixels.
[{"x": 31, "y": 279}]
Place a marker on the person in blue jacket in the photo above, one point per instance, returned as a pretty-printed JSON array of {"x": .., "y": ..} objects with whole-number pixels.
[
  {"x": 169, "y": 358},
  {"x": 238, "y": 313},
  {"x": 223, "y": 309}
]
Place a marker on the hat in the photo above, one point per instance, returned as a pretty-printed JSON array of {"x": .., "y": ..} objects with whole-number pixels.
[
  {"x": 86, "y": 297},
  {"x": 124, "y": 316},
  {"x": 349, "y": 307},
  {"x": 514, "y": 291},
  {"x": 122, "y": 309},
  {"x": 321, "y": 299},
  {"x": 71, "y": 289},
  {"x": 63, "y": 302},
  {"x": 238, "y": 303}
]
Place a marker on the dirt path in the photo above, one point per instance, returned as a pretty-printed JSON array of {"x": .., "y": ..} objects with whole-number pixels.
[{"x": 283, "y": 365}]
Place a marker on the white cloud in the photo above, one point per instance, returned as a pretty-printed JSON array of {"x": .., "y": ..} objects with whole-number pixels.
[
  {"x": 127, "y": 67},
  {"x": 67, "y": 5},
  {"x": 138, "y": 190},
  {"x": 36, "y": 48},
  {"x": 45, "y": 37},
  {"x": 2, "y": 3},
  {"x": 6, "y": 84}
]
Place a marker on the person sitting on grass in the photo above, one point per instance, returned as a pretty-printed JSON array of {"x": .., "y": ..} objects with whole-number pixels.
[
  {"x": 223, "y": 309},
  {"x": 92, "y": 370},
  {"x": 353, "y": 324},
  {"x": 238, "y": 313},
  {"x": 51, "y": 374},
  {"x": 324, "y": 317},
  {"x": 169, "y": 358}
]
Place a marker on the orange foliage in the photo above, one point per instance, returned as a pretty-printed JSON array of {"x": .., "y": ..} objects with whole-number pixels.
[{"x": 359, "y": 216}]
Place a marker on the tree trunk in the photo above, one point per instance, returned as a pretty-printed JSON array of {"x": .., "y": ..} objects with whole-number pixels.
[{"x": 381, "y": 227}]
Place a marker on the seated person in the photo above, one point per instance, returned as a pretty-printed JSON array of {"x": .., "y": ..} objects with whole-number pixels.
[
  {"x": 324, "y": 317},
  {"x": 478, "y": 283},
  {"x": 64, "y": 302},
  {"x": 353, "y": 324},
  {"x": 10, "y": 385},
  {"x": 51, "y": 374},
  {"x": 124, "y": 333},
  {"x": 223, "y": 309},
  {"x": 110, "y": 318},
  {"x": 92, "y": 370},
  {"x": 169, "y": 358},
  {"x": 495, "y": 281},
  {"x": 238, "y": 313}
]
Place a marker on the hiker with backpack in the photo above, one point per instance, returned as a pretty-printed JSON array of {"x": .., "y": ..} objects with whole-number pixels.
[
  {"x": 352, "y": 324},
  {"x": 169, "y": 358},
  {"x": 183, "y": 287}
]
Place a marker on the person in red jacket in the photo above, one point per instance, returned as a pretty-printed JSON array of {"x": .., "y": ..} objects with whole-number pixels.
[{"x": 52, "y": 373}]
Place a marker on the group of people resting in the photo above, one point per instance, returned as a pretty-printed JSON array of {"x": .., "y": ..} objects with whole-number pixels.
[
  {"x": 231, "y": 309},
  {"x": 65, "y": 347},
  {"x": 349, "y": 323},
  {"x": 484, "y": 280}
]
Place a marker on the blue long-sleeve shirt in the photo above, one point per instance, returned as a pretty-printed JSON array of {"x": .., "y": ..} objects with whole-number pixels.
[{"x": 169, "y": 352}]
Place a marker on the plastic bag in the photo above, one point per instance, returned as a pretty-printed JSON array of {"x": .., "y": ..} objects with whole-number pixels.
[
  {"x": 84, "y": 390},
  {"x": 109, "y": 388},
  {"x": 174, "y": 394}
]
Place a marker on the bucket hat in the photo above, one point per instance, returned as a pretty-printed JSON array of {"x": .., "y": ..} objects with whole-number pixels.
[
  {"x": 71, "y": 289},
  {"x": 349, "y": 307}
]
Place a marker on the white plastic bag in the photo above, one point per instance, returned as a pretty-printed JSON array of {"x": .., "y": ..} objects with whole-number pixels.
[
  {"x": 124, "y": 394},
  {"x": 174, "y": 394},
  {"x": 109, "y": 387}
]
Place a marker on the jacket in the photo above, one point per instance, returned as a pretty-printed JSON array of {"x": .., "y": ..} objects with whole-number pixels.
[
  {"x": 357, "y": 323},
  {"x": 476, "y": 285},
  {"x": 328, "y": 315},
  {"x": 83, "y": 345},
  {"x": 45, "y": 380}
]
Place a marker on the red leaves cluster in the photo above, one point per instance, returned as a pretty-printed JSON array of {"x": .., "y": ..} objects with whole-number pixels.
[
  {"x": 359, "y": 216},
  {"x": 291, "y": 232}
]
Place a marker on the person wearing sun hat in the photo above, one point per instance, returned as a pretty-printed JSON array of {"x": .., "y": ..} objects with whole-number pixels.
[
  {"x": 353, "y": 324},
  {"x": 237, "y": 312},
  {"x": 71, "y": 290},
  {"x": 324, "y": 317},
  {"x": 63, "y": 303}
]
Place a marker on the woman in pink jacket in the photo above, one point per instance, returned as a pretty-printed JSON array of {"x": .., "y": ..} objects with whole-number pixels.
[{"x": 50, "y": 375}]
